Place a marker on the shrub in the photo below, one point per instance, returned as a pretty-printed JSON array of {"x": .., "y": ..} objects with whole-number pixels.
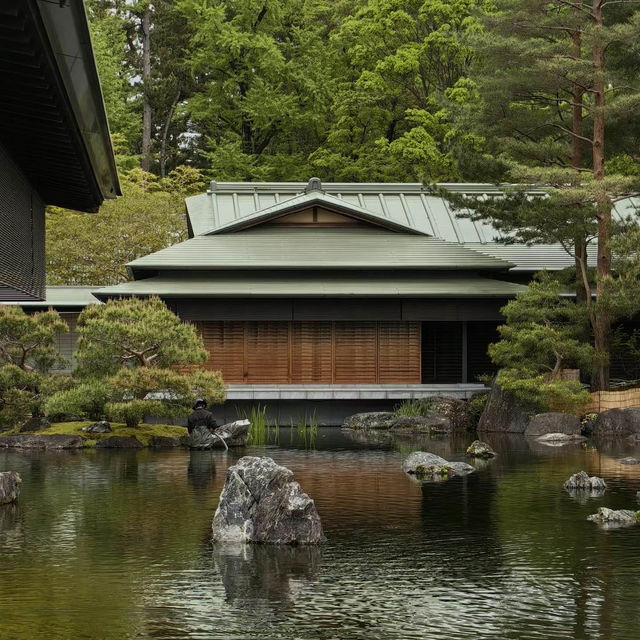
[{"x": 86, "y": 400}]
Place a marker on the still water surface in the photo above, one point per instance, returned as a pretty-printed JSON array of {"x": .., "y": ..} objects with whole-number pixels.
[{"x": 108, "y": 544}]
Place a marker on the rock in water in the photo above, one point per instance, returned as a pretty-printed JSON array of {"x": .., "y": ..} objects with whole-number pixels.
[
  {"x": 262, "y": 503},
  {"x": 479, "y": 449},
  {"x": 235, "y": 434},
  {"x": 371, "y": 420},
  {"x": 504, "y": 413},
  {"x": 553, "y": 422},
  {"x": 617, "y": 423},
  {"x": 10, "y": 483},
  {"x": 559, "y": 439},
  {"x": 611, "y": 518},
  {"x": 430, "y": 467},
  {"x": 582, "y": 482}
]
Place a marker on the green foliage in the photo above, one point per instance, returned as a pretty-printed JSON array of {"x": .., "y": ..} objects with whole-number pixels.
[
  {"x": 27, "y": 353},
  {"x": 19, "y": 395},
  {"x": 541, "y": 337},
  {"x": 141, "y": 391},
  {"x": 134, "y": 332},
  {"x": 84, "y": 400},
  {"x": 29, "y": 341},
  {"x": 125, "y": 353},
  {"x": 94, "y": 249}
]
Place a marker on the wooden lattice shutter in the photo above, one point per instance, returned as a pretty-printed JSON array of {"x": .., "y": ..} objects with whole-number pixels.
[
  {"x": 399, "y": 353},
  {"x": 355, "y": 360},
  {"x": 225, "y": 342},
  {"x": 311, "y": 347},
  {"x": 267, "y": 353}
]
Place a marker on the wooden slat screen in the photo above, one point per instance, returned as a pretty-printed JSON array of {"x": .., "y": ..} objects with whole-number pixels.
[
  {"x": 267, "y": 352},
  {"x": 399, "y": 353},
  {"x": 313, "y": 352},
  {"x": 355, "y": 354},
  {"x": 225, "y": 342}
]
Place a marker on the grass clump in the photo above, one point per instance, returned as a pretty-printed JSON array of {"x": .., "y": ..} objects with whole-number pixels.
[{"x": 415, "y": 407}]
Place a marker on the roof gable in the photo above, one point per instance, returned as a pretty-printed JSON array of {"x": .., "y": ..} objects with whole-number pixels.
[{"x": 310, "y": 200}]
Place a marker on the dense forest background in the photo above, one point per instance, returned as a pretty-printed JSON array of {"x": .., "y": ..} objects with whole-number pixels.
[{"x": 347, "y": 90}]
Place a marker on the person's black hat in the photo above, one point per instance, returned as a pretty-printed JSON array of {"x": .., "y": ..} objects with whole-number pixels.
[{"x": 200, "y": 402}]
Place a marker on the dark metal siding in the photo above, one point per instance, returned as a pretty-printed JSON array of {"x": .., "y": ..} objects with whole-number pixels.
[
  {"x": 22, "y": 268},
  {"x": 442, "y": 356}
]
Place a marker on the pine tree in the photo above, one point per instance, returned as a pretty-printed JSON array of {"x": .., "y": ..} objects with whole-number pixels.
[{"x": 552, "y": 85}]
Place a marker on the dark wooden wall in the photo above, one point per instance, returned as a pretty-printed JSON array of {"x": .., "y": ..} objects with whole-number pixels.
[{"x": 313, "y": 352}]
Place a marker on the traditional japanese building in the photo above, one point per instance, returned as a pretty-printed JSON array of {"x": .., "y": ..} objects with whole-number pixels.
[
  {"x": 369, "y": 292},
  {"x": 54, "y": 138}
]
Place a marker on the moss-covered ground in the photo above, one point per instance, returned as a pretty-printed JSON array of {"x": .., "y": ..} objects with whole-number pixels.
[{"x": 143, "y": 432}]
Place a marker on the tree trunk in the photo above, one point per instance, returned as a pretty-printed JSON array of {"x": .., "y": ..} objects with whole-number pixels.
[
  {"x": 582, "y": 292},
  {"x": 602, "y": 320},
  {"x": 146, "y": 88},
  {"x": 165, "y": 133}
]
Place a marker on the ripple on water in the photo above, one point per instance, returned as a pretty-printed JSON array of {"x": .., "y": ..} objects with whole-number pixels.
[{"x": 116, "y": 545}]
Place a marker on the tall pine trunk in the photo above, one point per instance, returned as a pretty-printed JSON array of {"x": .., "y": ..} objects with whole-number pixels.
[
  {"x": 146, "y": 88},
  {"x": 583, "y": 289},
  {"x": 601, "y": 322}
]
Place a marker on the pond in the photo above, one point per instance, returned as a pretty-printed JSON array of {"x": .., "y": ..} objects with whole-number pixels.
[{"x": 115, "y": 544}]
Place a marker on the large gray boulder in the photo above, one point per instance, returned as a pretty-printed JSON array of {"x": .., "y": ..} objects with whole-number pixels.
[
  {"x": 262, "y": 503},
  {"x": 371, "y": 420},
  {"x": 427, "y": 467},
  {"x": 617, "y": 423},
  {"x": 10, "y": 483},
  {"x": 581, "y": 481},
  {"x": 504, "y": 413},
  {"x": 614, "y": 518},
  {"x": 553, "y": 422},
  {"x": 35, "y": 441}
]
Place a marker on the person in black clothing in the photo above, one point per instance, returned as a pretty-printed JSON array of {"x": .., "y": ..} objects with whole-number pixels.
[{"x": 201, "y": 417}]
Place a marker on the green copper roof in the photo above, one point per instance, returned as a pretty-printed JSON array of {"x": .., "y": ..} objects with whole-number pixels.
[
  {"x": 312, "y": 199},
  {"x": 408, "y": 205},
  {"x": 62, "y": 297},
  {"x": 304, "y": 285},
  {"x": 317, "y": 248}
]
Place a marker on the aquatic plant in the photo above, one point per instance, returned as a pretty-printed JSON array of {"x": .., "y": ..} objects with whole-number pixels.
[{"x": 261, "y": 433}]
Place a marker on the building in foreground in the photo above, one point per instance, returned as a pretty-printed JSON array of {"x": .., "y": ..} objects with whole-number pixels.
[
  {"x": 368, "y": 293},
  {"x": 54, "y": 140}
]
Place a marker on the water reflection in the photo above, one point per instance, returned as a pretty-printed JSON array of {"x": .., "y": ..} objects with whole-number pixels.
[
  {"x": 254, "y": 575},
  {"x": 201, "y": 471},
  {"x": 504, "y": 553}
]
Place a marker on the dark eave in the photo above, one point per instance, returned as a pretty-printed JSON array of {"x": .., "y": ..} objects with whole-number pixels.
[{"x": 52, "y": 116}]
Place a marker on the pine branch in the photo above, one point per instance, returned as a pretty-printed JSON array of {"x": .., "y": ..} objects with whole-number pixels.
[{"x": 571, "y": 133}]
